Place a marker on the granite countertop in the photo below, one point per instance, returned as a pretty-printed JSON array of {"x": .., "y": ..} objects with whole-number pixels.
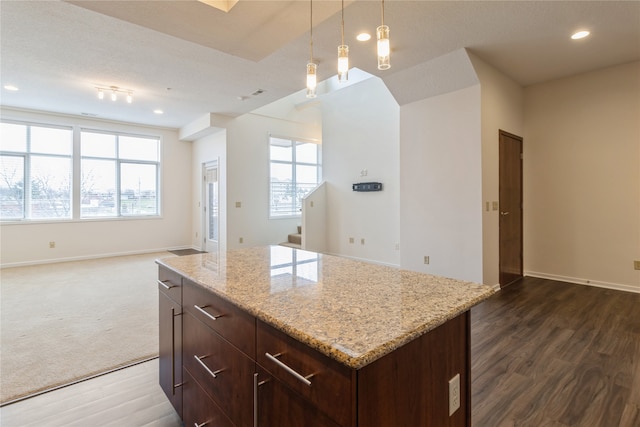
[{"x": 352, "y": 311}]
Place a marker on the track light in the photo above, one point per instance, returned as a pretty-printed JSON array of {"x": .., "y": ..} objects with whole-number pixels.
[{"x": 114, "y": 90}]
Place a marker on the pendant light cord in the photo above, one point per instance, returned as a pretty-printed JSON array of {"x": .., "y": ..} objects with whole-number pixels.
[
  {"x": 311, "y": 33},
  {"x": 343, "y": 22},
  {"x": 382, "y": 12}
]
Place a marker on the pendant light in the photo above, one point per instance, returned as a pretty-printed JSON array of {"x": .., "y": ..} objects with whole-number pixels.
[
  {"x": 312, "y": 67},
  {"x": 384, "y": 49},
  {"x": 343, "y": 55}
]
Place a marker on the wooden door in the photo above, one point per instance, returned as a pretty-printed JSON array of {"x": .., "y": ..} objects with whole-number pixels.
[{"x": 511, "y": 247}]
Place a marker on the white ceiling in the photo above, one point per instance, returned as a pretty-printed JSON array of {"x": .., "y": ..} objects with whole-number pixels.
[{"x": 190, "y": 59}]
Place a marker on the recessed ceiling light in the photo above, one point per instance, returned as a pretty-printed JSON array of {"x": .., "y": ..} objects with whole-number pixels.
[
  {"x": 11, "y": 87},
  {"x": 580, "y": 35},
  {"x": 158, "y": 111},
  {"x": 363, "y": 37}
]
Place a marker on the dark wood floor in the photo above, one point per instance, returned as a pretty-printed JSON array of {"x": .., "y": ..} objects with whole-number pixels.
[
  {"x": 544, "y": 354},
  {"x": 547, "y": 353}
]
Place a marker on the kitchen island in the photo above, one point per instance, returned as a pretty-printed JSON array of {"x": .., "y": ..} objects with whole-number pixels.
[{"x": 276, "y": 336}]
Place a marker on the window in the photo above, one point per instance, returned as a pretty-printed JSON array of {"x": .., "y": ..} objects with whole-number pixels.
[
  {"x": 119, "y": 175},
  {"x": 36, "y": 164},
  {"x": 294, "y": 171}
]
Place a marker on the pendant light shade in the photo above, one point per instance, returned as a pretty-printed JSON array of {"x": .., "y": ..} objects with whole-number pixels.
[
  {"x": 343, "y": 63},
  {"x": 384, "y": 49},
  {"x": 312, "y": 80},
  {"x": 343, "y": 54},
  {"x": 312, "y": 67}
]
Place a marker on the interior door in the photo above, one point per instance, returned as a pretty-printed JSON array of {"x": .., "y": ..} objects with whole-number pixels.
[
  {"x": 511, "y": 246},
  {"x": 211, "y": 212}
]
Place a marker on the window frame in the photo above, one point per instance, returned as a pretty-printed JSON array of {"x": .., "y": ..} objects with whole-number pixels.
[
  {"x": 118, "y": 173},
  {"x": 27, "y": 156},
  {"x": 318, "y": 165},
  {"x": 76, "y": 167}
]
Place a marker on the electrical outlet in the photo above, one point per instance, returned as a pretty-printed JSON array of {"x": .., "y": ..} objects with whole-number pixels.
[
  {"x": 495, "y": 206},
  {"x": 238, "y": 204},
  {"x": 351, "y": 240},
  {"x": 241, "y": 240},
  {"x": 426, "y": 259},
  {"x": 397, "y": 246},
  {"x": 52, "y": 245},
  {"x": 454, "y": 394},
  {"x": 636, "y": 265},
  {"x": 362, "y": 241}
]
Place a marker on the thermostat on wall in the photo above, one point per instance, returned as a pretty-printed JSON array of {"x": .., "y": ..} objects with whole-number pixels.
[{"x": 367, "y": 186}]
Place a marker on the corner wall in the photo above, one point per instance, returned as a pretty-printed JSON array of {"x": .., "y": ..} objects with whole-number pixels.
[
  {"x": 441, "y": 193},
  {"x": 582, "y": 178},
  {"x": 502, "y": 108}
]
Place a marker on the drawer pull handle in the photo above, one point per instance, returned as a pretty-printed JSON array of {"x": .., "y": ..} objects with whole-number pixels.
[
  {"x": 201, "y": 425},
  {"x": 299, "y": 377},
  {"x": 163, "y": 283},
  {"x": 210, "y": 316},
  {"x": 212, "y": 373}
]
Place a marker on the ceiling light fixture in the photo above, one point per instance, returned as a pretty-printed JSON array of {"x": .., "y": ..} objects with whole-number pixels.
[
  {"x": 115, "y": 90},
  {"x": 312, "y": 67},
  {"x": 384, "y": 49},
  {"x": 363, "y": 37},
  {"x": 580, "y": 35},
  {"x": 343, "y": 54},
  {"x": 11, "y": 88}
]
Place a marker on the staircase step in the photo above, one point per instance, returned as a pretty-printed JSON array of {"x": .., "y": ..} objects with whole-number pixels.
[{"x": 295, "y": 238}]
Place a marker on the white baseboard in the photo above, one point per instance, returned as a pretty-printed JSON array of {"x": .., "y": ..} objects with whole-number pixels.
[
  {"x": 587, "y": 282},
  {"x": 87, "y": 257}
]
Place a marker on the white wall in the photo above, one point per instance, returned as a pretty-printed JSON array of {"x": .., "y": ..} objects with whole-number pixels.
[
  {"x": 28, "y": 243},
  {"x": 502, "y": 108},
  {"x": 314, "y": 220},
  {"x": 582, "y": 178},
  {"x": 441, "y": 185},
  {"x": 360, "y": 128},
  {"x": 248, "y": 179},
  {"x": 209, "y": 148}
]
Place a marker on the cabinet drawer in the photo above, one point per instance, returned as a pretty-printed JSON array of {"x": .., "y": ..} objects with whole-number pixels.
[
  {"x": 323, "y": 381},
  {"x": 199, "y": 409},
  {"x": 170, "y": 283},
  {"x": 225, "y": 373},
  {"x": 235, "y": 325},
  {"x": 279, "y": 406}
]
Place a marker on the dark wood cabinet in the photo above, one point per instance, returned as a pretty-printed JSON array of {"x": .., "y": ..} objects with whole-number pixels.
[
  {"x": 240, "y": 371},
  {"x": 224, "y": 372},
  {"x": 170, "y": 336},
  {"x": 278, "y": 405},
  {"x": 327, "y": 384},
  {"x": 199, "y": 409}
]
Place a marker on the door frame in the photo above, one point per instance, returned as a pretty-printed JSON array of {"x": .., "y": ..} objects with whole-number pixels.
[
  {"x": 501, "y": 249},
  {"x": 212, "y": 164}
]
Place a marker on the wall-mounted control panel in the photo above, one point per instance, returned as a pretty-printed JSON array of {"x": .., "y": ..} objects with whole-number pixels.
[{"x": 367, "y": 186}]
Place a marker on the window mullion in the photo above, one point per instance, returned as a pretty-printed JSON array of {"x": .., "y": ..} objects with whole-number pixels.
[{"x": 76, "y": 196}]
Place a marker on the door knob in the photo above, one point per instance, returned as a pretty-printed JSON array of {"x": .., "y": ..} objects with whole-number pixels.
[{"x": 504, "y": 213}]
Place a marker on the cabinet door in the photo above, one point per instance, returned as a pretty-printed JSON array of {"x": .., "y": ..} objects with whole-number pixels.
[
  {"x": 278, "y": 406},
  {"x": 170, "y": 350},
  {"x": 199, "y": 409}
]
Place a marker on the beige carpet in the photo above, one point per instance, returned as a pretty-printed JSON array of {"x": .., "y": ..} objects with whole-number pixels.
[{"x": 67, "y": 321}]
